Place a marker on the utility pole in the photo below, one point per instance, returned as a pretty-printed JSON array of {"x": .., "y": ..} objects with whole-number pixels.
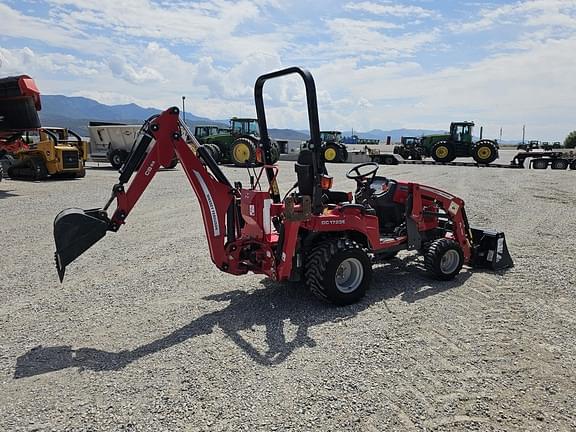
[
  {"x": 500, "y": 134},
  {"x": 523, "y": 133},
  {"x": 183, "y": 109}
]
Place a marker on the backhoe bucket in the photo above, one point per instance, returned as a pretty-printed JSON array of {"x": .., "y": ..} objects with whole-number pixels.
[
  {"x": 75, "y": 231},
  {"x": 490, "y": 250}
]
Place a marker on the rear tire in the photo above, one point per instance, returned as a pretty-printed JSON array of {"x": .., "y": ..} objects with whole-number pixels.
[
  {"x": 443, "y": 152},
  {"x": 274, "y": 152},
  {"x": 117, "y": 158},
  {"x": 559, "y": 164},
  {"x": 484, "y": 152},
  {"x": 243, "y": 152},
  {"x": 214, "y": 151},
  {"x": 443, "y": 259},
  {"x": 573, "y": 165},
  {"x": 338, "y": 271},
  {"x": 539, "y": 164}
]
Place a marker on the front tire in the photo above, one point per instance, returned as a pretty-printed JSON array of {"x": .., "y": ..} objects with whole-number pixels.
[
  {"x": 338, "y": 271},
  {"x": 443, "y": 152},
  {"x": 332, "y": 153},
  {"x": 443, "y": 259},
  {"x": 243, "y": 152}
]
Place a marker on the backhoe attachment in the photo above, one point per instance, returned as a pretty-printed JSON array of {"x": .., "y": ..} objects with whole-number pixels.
[{"x": 160, "y": 140}]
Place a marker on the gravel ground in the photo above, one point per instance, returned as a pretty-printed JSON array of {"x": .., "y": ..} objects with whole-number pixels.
[{"x": 146, "y": 334}]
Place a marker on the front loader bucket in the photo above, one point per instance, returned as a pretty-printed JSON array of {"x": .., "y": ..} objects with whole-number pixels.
[
  {"x": 490, "y": 250},
  {"x": 75, "y": 231}
]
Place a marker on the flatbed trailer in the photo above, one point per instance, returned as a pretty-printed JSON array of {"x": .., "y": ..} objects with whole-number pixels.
[{"x": 556, "y": 160}]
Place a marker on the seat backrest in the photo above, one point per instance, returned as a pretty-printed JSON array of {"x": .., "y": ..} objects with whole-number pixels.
[
  {"x": 387, "y": 196},
  {"x": 305, "y": 173}
]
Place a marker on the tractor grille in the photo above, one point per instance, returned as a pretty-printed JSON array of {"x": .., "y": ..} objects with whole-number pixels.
[{"x": 69, "y": 159}]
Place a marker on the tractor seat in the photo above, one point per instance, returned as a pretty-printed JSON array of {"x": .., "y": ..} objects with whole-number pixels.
[
  {"x": 305, "y": 176},
  {"x": 385, "y": 196},
  {"x": 390, "y": 214}
]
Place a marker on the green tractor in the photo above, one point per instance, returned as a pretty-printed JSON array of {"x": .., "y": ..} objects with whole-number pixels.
[
  {"x": 239, "y": 144},
  {"x": 334, "y": 149},
  {"x": 531, "y": 145},
  {"x": 409, "y": 148},
  {"x": 203, "y": 131},
  {"x": 459, "y": 143}
]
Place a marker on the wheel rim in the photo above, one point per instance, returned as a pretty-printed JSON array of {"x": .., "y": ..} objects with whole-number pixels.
[
  {"x": 330, "y": 154},
  {"x": 349, "y": 275},
  {"x": 484, "y": 152},
  {"x": 449, "y": 261},
  {"x": 117, "y": 160},
  {"x": 241, "y": 152},
  {"x": 442, "y": 152}
]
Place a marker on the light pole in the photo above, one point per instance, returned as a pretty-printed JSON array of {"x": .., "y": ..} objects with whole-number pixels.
[
  {"x": 184, "y": 109},
  {"x": 523, "y": 133}
]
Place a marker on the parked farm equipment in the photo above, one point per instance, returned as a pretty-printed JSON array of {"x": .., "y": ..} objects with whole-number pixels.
[
  {"x": 459, "y": 143},
  {"x": 113, "y": 142},
  {"x": 355, "y": 139},
  {"x": 57, "y": 153},
  {"x": 240, "y": 144},
  {"x": 314, "y": 234},
  {"x": 557, "y": 160},
  {"x": 409, "y": 148},
  {"x": 529, "y": 146}
]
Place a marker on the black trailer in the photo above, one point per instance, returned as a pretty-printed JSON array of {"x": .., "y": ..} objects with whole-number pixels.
[{"x": 556, "y": 160}]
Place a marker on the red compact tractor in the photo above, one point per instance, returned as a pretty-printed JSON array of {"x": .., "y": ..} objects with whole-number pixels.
[{"x": 328, "y": 239}]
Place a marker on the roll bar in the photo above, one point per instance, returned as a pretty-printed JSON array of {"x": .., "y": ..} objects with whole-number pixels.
[{"x": 314, "y": 125}]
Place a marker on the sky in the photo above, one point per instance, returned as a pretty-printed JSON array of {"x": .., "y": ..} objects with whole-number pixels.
[{"x": 377, "y": 63}]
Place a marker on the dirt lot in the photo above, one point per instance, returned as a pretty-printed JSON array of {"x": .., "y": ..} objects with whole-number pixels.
[{"x": 146, "y": 334}]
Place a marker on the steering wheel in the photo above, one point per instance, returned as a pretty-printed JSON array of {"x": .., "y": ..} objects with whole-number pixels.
[{"x": 355, "y": 173}]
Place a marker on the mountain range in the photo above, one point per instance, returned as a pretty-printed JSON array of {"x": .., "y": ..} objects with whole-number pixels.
[{"x": 76, "y": 112}]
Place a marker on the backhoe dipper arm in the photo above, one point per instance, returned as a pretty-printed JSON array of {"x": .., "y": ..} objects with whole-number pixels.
[{"x": 76, "y": 230}]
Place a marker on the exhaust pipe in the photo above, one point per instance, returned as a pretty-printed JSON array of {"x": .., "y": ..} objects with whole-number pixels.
[
  {"x": 75, "y": 231},
  {"x": 489, "y": 250}
]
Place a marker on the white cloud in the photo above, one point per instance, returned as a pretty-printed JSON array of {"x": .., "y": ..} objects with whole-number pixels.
[
  {"x": 387, "y": 8},
  {"x": 215, "y": 26},
  {"x": 370, "y": 73},
  {"x": 534, "y": 88},
  {"x": 367, "y": 39},
  {"x": 25, "y": 60},
  {"x": 17, "y": 25},
  {"x": 557, "y": 14},
  {"x": 137, "y": 75}
]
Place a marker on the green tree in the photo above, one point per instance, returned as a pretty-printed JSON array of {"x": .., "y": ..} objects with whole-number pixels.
[{"x": 570, "y": 141}]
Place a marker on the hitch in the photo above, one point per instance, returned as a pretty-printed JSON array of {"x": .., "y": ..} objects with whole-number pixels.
[{"x": 75, "y": 231}]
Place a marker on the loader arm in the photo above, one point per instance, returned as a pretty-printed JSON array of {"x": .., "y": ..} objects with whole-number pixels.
[
  {"x": 77, "y": 230},
  {"x": 452, "y": 205}
]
